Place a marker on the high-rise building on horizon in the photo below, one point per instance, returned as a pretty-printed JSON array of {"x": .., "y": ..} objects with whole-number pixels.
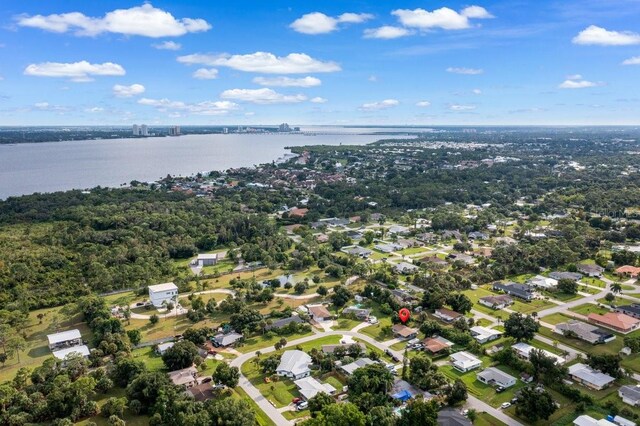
[
  {"x": 174, "y": 131},
  {"x": 144, "y": 131},
  {"x": 284, "y": 127},
  {"x": 136, "y": 130}
]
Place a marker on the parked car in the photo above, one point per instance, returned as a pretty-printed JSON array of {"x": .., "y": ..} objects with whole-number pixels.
[
  {"x": 395, "y": 358},
  {"x": 514, "y": 400},
  {"x": 465, "y": 412},
  {"x": 500, "y": 389},
  {"x": 303, "y": 405},
  {"x": 296, "y": 400},
  {"x": 373, "y": 320},
  {"x": 206, "y": 380},
  {"x": 505, "y": 405}
]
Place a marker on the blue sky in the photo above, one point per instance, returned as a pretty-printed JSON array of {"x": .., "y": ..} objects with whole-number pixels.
[{"x": 321, "y": 62}]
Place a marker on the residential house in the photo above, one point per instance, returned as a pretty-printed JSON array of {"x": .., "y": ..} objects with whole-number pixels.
[
  {"x": 464, "y": 361},
  {"x": 483, "y": 252},
  {"x": 484, "y": 334},
  {"x": 357, "y": 251},
  {"x": 64, "y": 339},
  {"x": 616, "y": 321},
  {"x": 294, "y": 364},
  {"x": 520, "y": 291},
  {"x": 161, "y": 294},
  {"x": 360, "y": 362},
  {"x": 162, "y": 347},
  {"x": 436, "y": 344},
  {"x": 403, "y": 332},
  {"x": 387, "y": 247},
  {"x": 62, "y": 354},
  {"x": 202, "y": 392},
  {"x": 447, "y": 315},
  {"x": 427, "y": 237},
  {"x": 359, "y": 313},
  {"x": 398, "y": 230},
  {"x": 523, "y": 350},
  {"x": 590, "y": 269},
  {"x": 494, "y": 377},
  {"x": 589, "y": 377},
  {"x": 585, "y": 420},
  {"x": 322, "y": 238},
  {"x": 628, "y": 271},
  {"x": 573, "y": 276},
  {"x": 447, "y": 235},
  {"x": 402, "y": 296},
  {"x": 319, "y": 313},
  {"x": 583, "y": 331},
  {"x": 630, "y": 395},
  {"x": 405, "y": 268},
  {"x": 543, "y": 282},
  {"x": 461, "y": 257},
  {"x": 278, "y": 324},
  {"x": 496, "y": 302},
  {"x": 475, "y": 235},
  {"x": 187, "y": 377},
  {"x": 226, "y": 339},
  {"x": 310, "y": 387},
  {"x": 632, "y": 310},
  {"x": 296, "y": 212},
  {"x": 434, "y": 261},
  {"x": 329, "y": 349},
  {"x": 452, "y": 417}
]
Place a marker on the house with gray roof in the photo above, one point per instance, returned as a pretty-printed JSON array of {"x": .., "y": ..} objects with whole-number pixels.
[
  {"x": 520, "y": 291},
  {"x": 493, "y": 377},
  {"x": 452, "y": 417},
  {"x": 360, "y": 313},
  {"x": 294, "y": 364},
  {"x": 284, "y": 322},
  {"x": 227, "y": 339},
  {"x": 573, "y": 276},
  {"x": 633, "y": 310},
  {"x": 589, "y": 377},
  {"x": 630, "y": 395},
  {"x": 590, "y": 270},
  {"x": 584, "y": 331},
  {"x": 357, "y": 251},
  {"x": 360, "y": 362}
]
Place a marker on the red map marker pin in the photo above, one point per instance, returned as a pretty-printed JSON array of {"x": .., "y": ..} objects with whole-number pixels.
[{"x": 404, "y": 314}]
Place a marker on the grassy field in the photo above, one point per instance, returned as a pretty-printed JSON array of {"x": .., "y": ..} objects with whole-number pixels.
[
  {"x": 486, "y": 419},
  {"x": 530, "y": 307},
  {"x": 608, "y": 348},
  {"x": 555, "y": 318},
  {"x": 258, "y": 342},
  {"x": 588, "y": 308},
  {"x": 594, "y": 282},
  {"x": 261, "y": 417}
]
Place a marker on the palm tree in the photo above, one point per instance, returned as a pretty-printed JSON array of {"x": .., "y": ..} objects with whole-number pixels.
[{"x": 616, "y": 288}]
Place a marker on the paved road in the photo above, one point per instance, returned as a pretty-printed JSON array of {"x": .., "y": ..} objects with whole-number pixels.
[{"x": 479, "y": 406}]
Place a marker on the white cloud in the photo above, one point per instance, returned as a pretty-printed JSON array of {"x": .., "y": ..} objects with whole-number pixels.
[
  {"x": 261, "y": 96},
  {"x": 576, "y": 82},
  {"x": 263, "y": 62},
  {"x": 94, "y": 109},
  {"x": 167, "y": 45},
  {"x": 635, "y": 60},
  {"x": 423, "y": 104},
  {"x": 443, "y": 18},
  {"x": 288, "y": 81},
  {"x": 205, "y": 74},
  {"x": 199, "y": 108},
  {"x": 76, "y": 71},
  {"x": 319, "y": 23},
  {"x": 373, "y": 78},
  {"x": 458, "y": 107},
  {"x": 600, "y": 36},
  {"x": 376, "y": 106},
  {"x": 144, "y": 20},
  {"x": 46, "y": 106},
  {"x": 386, "y": 32},
  {"x": 128, "y": 91},
  {"x": 477, "y": 92},
  {"x": 318, "y": 100},
  {"x": 465, "y": 71},
  {"x": 476, "y": 12}
]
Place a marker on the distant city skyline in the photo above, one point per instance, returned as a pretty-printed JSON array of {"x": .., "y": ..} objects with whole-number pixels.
[{"x": 574, "y": 62}]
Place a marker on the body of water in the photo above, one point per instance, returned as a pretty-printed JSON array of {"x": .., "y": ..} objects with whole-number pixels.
[{"x": 59, "y": 166}]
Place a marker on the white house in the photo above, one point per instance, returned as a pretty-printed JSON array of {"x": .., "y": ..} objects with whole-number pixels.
[
  {"x": 163, "y": 293},
  {"x": 523, "y": 350},
  {"x": 484, "y": 334},
  {"x": 589, "y": 377},
  {"x": 81, "y": 350},
  {"x": 207, "y": 259},
  {"x": 585, "y": 420},
  {"x": 464, "y": 361},
  {"x": 64, "y": 339},
  {"x": 360, "y": 362},
  {"x": 294, "y": 364},
  {"x": 493, "y": 376},
  {"x": 162, "y": 347},
  {"x": 405, "y": 268},
  {"x": 310, "y": 387},
  {"x": 630, "y": 395},
  {"x": 543, "y": 282}
]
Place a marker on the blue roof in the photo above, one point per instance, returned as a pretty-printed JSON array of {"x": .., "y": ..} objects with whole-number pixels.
[{"x": 402, "y": 395}]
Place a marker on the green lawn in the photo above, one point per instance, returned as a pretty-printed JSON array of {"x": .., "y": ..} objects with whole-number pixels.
[
  {"x": 413, "y": 250},
  {"x": 486, "y": 419},
  {"x": 588, "y": 308},
  {"x": 345, "y": 324},
  {"x": 555, "y": 318},
  {"x": 253, "y": 344},
  {"x": 608, "y": 348},
  {"x": 279, "y": 393},
  {"x": 594, "y": 282},
  {"x": 530, "y": 307},
  {"x": 261, "y": 417},
  {"x": 295, "y": 414}
]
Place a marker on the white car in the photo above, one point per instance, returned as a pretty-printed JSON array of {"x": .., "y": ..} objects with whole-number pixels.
[
  {"x": 302, "y": 405},
  {"x": 505, "y": 405},
  {"x": 373, "y": 320}
]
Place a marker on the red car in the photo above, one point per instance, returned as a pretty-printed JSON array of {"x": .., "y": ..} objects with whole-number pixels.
[{"x": 296, "y": 400}]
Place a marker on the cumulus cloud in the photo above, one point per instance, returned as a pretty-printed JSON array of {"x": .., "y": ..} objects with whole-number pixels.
[
  {"x": 377, "y": 106},
  {"x": 319, "y": 23},
  {"x": 443, "y": 18},
  {"x": 458, "y": 107},
  {"x": 423, "y": 104},
  {"x": 577, "y": 82},
  {"x": 94, "y": 109},
  {"x": 635, "y": 60},
  {"x": 476, "y": 92},
  {"x": 261, "y": 96},
  {"x": 128, "y": 91},
  {"x": 263, "y": 62},
  {"x": 205, "y": 73},
  {"x": 167, "y": 45},
  {"x": 594, "y": 35},
  {"x": 318, "y": 100},
  {"x": 145, "y": 20},
  {"x": 46, "y": 106},
  {"x": 465, "y": 71},
  {"x": 386, "y": 32},
  {"x": 199, "y": 108},
  {"x": 76, "y": 71},
  {"x": 288, "y": 81}
]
